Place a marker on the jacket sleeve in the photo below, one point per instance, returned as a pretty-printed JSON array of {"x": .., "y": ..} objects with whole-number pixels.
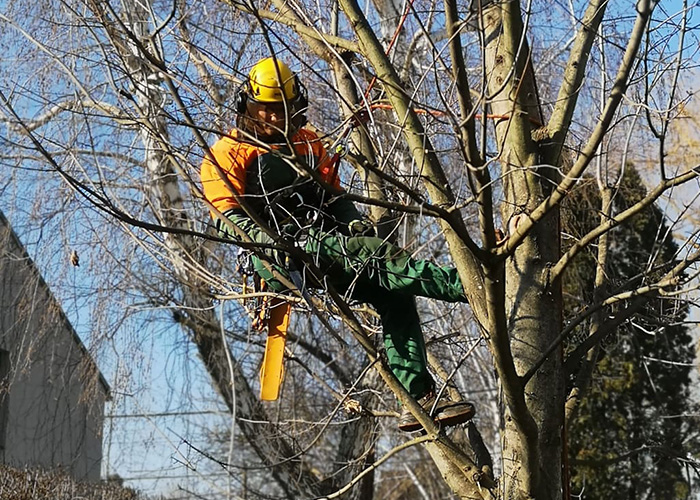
[{"x": 246, "y": 224}]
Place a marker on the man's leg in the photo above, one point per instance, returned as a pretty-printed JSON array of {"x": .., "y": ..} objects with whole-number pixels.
[
  {"x": 403, "y": 341},
  {"x": 405, "y": 349},
  {"x": 266, "y": 263},
  {"x": 374, "y": 262}
]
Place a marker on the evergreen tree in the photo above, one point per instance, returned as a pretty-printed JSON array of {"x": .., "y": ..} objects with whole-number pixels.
[{"x": 628, "y": 436}]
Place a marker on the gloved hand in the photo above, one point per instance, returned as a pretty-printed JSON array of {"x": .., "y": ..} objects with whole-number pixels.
[{"x": 361, "y": 227}]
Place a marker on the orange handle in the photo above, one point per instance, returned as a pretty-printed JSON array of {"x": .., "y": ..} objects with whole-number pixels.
[{"x": 272, "y": 369}]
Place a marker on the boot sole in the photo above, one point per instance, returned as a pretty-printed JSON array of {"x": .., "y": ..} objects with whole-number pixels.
[{"x": 445, "y": 421}]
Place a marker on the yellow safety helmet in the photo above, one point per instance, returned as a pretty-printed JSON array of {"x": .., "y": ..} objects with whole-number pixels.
[{"x": 271, "y": 80}]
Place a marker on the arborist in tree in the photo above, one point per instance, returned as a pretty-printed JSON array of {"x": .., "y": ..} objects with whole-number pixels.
[{"x": 273, "y": 170}]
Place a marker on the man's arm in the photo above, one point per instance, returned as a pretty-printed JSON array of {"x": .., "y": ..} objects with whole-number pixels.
[
  {"x": 344, "y": 213},
  {"x": 246, "y": 224}
]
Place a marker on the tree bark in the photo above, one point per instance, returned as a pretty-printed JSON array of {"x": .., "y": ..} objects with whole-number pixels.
[{"x": 532, "y": 445}]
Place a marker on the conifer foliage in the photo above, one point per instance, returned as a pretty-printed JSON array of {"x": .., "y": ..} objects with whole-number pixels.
[{"x": 628, "y": 440}]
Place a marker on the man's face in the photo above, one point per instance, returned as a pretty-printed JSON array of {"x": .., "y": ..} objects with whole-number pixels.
[{"x": 269, "y": 118}]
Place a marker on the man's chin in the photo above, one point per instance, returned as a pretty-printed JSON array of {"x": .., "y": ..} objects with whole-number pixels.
[{"x": 272, "y": 131}]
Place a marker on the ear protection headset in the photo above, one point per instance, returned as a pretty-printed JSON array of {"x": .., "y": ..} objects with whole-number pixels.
[{"x": 241, "y": 99}]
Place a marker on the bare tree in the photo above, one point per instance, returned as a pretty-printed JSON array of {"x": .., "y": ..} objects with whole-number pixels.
[{"x": 480, "y": 115}]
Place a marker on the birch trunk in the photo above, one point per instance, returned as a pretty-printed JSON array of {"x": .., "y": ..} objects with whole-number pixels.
[{"x": 197, "y": 307}]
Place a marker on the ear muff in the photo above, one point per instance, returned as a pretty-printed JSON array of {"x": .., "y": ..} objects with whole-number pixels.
[
  {"x": 241, "y": 99},
  {"x": 300, "y": 104}
]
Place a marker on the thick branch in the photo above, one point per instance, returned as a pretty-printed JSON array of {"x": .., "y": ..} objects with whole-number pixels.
[
  {"x": 297, "y": 25},
  {"x": 574, "y": 75},
  {"x": 519, "y": 318},
  {"x": 479, "y": 174},
  {"x": 610, "y": 223},
  {"x": 109, "y": 111},
  {"x": 644, "y": 10}
]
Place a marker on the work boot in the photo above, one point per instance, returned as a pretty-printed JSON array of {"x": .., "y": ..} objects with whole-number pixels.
[{"x": 446, "y": 413}]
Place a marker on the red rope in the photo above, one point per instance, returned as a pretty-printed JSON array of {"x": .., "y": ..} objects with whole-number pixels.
[{"x": 391, "y": 42}]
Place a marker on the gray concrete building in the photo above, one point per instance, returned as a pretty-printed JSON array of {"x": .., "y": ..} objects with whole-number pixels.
[{"x": 52, "y": 395}]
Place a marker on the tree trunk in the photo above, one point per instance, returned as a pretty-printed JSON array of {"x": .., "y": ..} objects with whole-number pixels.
[{"x": 532, "y": 455}]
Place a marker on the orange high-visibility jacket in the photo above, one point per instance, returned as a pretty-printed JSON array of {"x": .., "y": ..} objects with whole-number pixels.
[{"x": 235, "y": 158}]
